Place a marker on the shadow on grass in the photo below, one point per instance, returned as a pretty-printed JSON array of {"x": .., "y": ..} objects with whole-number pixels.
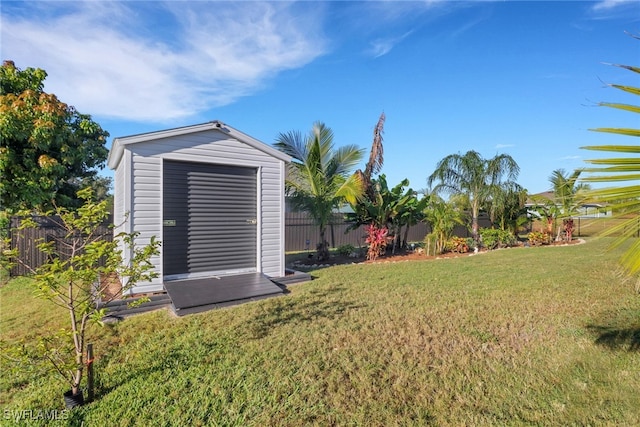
[
  {"x": 617, "y": 338},
  {"x": 286, "y": 311},
  {"x": 619, "y": 330}
]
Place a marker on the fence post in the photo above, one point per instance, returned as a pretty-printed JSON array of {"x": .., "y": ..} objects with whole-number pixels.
[{"x": 333, "y": 238}]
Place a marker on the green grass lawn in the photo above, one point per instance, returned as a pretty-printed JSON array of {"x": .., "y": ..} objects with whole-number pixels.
[{"x": 528, "y": 336}]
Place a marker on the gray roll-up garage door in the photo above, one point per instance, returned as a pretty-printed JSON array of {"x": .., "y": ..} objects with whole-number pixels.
[{"x": 210, "y": 219}]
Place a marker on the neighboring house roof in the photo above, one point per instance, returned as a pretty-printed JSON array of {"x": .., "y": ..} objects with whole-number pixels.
[
  {"x": 549, "y": 195},
  {"x": 117, "y": 147}
]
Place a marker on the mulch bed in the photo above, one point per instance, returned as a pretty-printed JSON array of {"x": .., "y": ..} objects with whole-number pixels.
[{"x": 312, "y": 261}]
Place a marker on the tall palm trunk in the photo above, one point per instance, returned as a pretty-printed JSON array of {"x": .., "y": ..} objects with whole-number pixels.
[{"x": 323, "y": 246}]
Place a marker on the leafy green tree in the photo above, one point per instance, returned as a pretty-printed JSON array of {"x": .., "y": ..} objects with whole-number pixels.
[
  {"x": 474, "y": 176},
  {"x": 72, "y": 278},
  {"x": 319, "y": 179},
  {"x": 618, "y": 170},
  {"x": 46, "y": 146}
]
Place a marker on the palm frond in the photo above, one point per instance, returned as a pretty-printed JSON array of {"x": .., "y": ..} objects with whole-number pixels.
[
  {"x": 627, "y": 107},
  {"x": 344, "y": 159},
  {"x": 351, "y": 190},
  {"x": 619, "y": 131},
  {"x": 610, "y": 178},
  {"x": 614, "y": 148},
  {"x": 626, "y": 67},
  {"x": 292, "y": 144},
  {"x": 629, "y": 89},
  {"x": 619, "y": 161},
  {"x": 376, "y": 156}
]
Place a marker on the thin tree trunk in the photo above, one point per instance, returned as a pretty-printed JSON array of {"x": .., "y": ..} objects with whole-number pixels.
[{"x": 405, "y": 243}]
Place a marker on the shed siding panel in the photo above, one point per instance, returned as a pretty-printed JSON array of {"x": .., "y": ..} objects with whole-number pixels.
[
  {"x": 119, "y": 204},
  {"x": 146, "y": 209},
  {"x": 119, "y": 197},
  {"x": 209, "y": 147}
]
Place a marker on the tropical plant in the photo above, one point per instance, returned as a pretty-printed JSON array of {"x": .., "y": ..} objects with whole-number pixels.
[
  {"x": 393, "y": 209},
  {"x": 376, "y": 159},
  {"x": 507, "y": 207},
  {"x": 412, "y": 213},
  {"x": 568, "y": 226},
  {"x": 474, "y": 176},
  {"x": 547, "y": 210},
  {"x": 568, "y": 195},
  {"x": 458, "y": 245},
  {"x": 537, "y": 238},
  {"x": 617, "y": 170},
  {"x": 74, "y": 277},
  {"x": 319, "y": 179},
  {"x": 376, "y": 239},
  {"x": 442, "y": 217},
  {"x": 567, "y": 190},
  {"x": 493, "y": 238}
]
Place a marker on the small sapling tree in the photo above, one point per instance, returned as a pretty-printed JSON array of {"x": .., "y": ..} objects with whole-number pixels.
[{"x": 73, "y": 278}]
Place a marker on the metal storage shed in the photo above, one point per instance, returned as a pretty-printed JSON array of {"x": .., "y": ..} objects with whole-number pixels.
[{"x": 213, "y": 195}]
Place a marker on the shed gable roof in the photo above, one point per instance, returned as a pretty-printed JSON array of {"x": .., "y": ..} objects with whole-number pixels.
[{"x": 118, "y": 144}]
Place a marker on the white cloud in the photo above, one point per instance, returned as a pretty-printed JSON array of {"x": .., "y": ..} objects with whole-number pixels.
[
  {"x": 146, "y": 62},
  {"x": 571, "y": 158},
  {"x": 381, "y": 47},
  {"x": 504, "y": 145},
  {"x": 610, "y": 4}
]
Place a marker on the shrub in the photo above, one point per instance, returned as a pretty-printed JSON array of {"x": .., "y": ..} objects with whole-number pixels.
[
  {"x": 346, "y": 250},
  {"x": 430, "y": 243},
  {"x": 471, "y": 243},
  {"x": 493, "y": 238},
  {"x": 377, "y": 240},
  {"x": 537, "y": 238},
  {"x": 458, "y": 245}
]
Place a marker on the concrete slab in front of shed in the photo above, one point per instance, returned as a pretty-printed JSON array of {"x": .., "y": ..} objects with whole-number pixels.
[{"x": 202, "y": 294}]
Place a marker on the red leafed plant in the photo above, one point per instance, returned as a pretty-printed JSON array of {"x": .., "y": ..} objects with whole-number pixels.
[
  {"x": 568, "y": 228},
  {"x": 377, "y": 240}
]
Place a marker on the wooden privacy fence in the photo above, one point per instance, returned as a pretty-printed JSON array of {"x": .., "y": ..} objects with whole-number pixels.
[
  {"x": 301, "y": 234},
  {"x": 48, "y": 230}
]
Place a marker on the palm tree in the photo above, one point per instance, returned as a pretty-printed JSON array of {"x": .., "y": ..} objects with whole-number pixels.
[
  {"x": 507, "y": 207},
  {"x": 620, "y": 169},
  {"x": 319, "y": 178},
  {"x": 376, "y": 159},
  {"x": 442, "y": 217},
  {"x": 569, "y": 195},
  {"x": 567, "y": 190},
  {"x": 474, "y": 176}
]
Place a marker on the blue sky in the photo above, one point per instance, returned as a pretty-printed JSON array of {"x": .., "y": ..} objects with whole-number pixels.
[{"x": 515, "y": 77}]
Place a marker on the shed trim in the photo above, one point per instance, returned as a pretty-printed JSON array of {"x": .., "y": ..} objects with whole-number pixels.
[{"x": 117, "y": 146}]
